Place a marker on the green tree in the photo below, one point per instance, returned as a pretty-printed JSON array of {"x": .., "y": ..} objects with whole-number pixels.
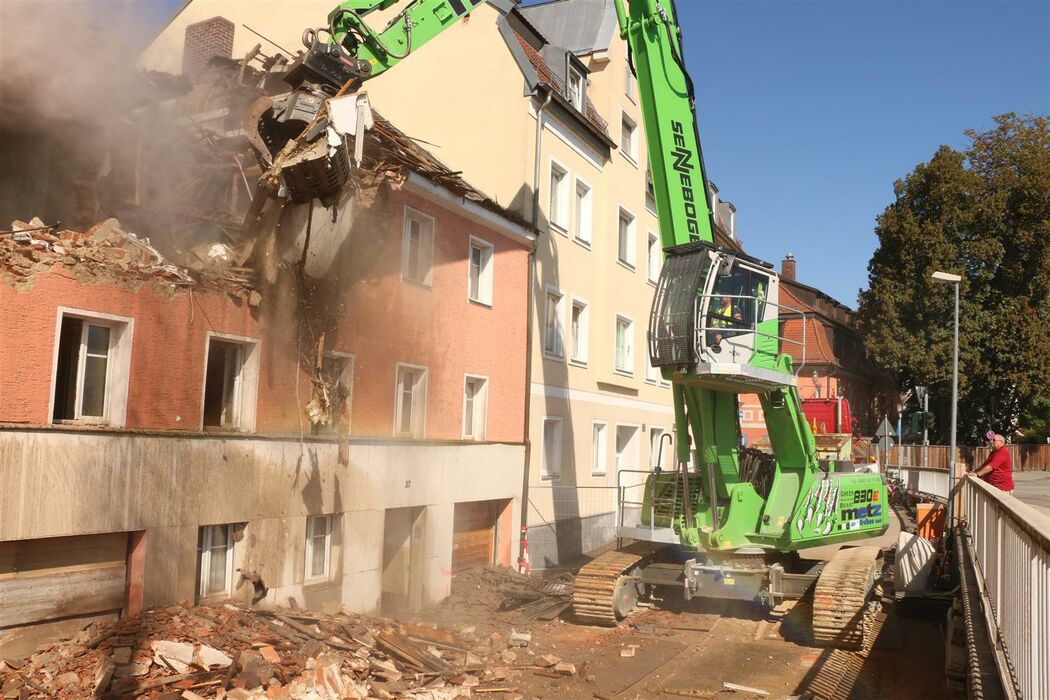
[{"x": 984, "y": 214}]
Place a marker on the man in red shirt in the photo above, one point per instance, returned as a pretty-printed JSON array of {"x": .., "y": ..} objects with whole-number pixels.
[{"x": 998, "y": 469}]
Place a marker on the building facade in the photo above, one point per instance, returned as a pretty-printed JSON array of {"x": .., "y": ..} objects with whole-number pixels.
[{"x": 338, "y": 418}]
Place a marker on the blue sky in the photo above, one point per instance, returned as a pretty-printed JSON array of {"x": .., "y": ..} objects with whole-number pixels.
[{"x": 810, "y": 109}]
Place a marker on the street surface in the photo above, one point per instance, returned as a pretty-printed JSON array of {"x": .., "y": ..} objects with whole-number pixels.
[{"x": 1033, "y": 488}]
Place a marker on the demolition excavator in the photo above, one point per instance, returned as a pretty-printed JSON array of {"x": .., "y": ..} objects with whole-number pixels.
[{"x": 726, "y": 522}]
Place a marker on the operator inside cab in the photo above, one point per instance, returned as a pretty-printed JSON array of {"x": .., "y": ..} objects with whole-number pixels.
[{"x": 737, "y": 303}]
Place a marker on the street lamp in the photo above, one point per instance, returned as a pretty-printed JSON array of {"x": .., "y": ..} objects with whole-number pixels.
[{"x": 954, "y": 280}]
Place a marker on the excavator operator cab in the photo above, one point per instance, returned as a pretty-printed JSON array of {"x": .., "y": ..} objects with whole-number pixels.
[{"x": 715, "y": 320}]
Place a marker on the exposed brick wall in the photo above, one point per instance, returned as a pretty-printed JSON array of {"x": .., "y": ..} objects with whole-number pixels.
[{"x": 212, "y": 37}]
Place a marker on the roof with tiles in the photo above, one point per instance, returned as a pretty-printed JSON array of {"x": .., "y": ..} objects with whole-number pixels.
[{"x": 548, "y": 75}]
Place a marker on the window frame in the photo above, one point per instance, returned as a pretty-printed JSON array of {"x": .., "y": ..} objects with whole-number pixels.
[
  {"x": 630, "y": 262},
  {"x": 118, "y": 367},
  {"x": 308, "y": 575},
  {"x": 479, "y": 418},
  {"x": 654, "y": 254},
  {"x": 654, "y": 460},
  {"x": 426, "y": 245},
  {"x": 577, "y": 99},
  {"x": 487, "y": 273},
  {"x": 205, "y": 563},
  {"x": 629, "y": 346},
  {"x": 545, "y": 474},
  {"x": 600, "y": 454},
  {"x": 557, "y": 353},
  {"x": 578, "y": 219},
  {"x": 581, "y": 358},
  {"x": 248, "y": 381},
  {"x": 419, "y": 402},
  {"x": 618, "y": 456},
  {"x": 558, "y": 199},
  {"x": 631, "y": 155}
]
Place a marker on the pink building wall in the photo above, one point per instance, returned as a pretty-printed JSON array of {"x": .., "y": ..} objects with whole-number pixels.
[{"x": 385, "y": 321}]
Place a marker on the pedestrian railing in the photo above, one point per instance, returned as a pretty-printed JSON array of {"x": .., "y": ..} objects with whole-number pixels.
[
  {"x": 1011, "y": 556},
  {"x": 926, "y": 482}
]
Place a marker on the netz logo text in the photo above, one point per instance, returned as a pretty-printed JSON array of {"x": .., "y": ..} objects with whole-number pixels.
[
  {"x": 873, "y": 510},
  {"x": 683, "y": 164}
]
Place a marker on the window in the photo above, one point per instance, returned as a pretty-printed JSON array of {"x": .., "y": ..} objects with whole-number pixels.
[
  {"x": 578, "y": 327},
  {"x": 318, "y": 547},
  {"x": 599, "y": 448},
  {"x": 650, "y": 189},
  {"x": 230, "y": 384},
  {"x": 583, "y": 221},
  {"x": 625, "y": 238},
  {"x": 656, "y": 440},
  {"x": 411, "y": 401},
  {"x": 475, "y": 407},
  {"x": 629, "y": 138},
  {"x": 558, "y": 212},
  {"x": 554, "y": 326},
  {"x": 479, "y": 273},
  {"x": 654, "y": 253},
  {"x": 652, "y": 374},
  {"x": 626, "y": 447},
  {"x": 216, "y": 561},
  {"x": 336, "y": 383},
  {"x": 91, "y": 372},
  {"x": 624, "y": 345},
  {"x": 576, "y": 89},
  {"x": 417, "y": 249},
  {"x": 629, "y": 82},
  {"x": 551, "y": 447}
]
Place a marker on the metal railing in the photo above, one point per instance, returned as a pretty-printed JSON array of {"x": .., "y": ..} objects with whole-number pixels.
[
  {"x": 785, "y": 313},
  {"x": 922, "y": 481},
  {"x": 1011, "y": 552}
]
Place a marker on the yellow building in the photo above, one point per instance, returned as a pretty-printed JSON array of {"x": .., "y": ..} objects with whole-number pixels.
[{"x": 537, "y": 107}]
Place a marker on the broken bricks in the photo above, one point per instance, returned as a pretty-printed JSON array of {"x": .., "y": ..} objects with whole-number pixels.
[{"x": 225, "y": 651}]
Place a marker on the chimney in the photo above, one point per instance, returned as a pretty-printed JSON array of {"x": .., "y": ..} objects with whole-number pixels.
[
  {"x": 787, "y": 267},
  {"x": 212, "y": 37}
]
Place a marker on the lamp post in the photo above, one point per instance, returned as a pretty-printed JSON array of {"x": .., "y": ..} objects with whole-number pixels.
[{"x": 954, "y": 280}]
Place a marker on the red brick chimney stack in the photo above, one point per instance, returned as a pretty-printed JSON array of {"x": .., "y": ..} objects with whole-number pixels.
[
  {"x": 787, "y": 267},
  {"x": 211, "y": 37}
]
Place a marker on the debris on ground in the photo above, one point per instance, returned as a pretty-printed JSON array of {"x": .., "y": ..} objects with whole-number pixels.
[
  {"x": 503, "y": 589},
  {"x": 226, "y": 651}
]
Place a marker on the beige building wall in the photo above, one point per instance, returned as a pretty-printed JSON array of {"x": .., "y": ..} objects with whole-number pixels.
[{"x": 462, "y": 94}]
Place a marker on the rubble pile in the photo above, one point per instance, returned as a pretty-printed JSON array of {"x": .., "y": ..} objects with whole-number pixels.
[
  {"x": 504, "y": 589},
  {"x": 107, "y": 251},
  {"x": 226, "y": 651}
]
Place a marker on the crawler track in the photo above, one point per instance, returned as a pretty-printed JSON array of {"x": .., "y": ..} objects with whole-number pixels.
[
  {"x": 598, "y": 584},
  {"x": 840, "y": 598}
]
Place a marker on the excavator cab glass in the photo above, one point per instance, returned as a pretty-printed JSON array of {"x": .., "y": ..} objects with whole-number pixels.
[{"x": 714, "y": 307}]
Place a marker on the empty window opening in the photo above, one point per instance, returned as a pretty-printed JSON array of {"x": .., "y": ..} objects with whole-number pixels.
[
  {"x": 475, "y": 400},
  {"x": 410, "y": 403},
  {"x": 83, "y": 372},
  {"x": 318, "y": 547},
  {"x": 479, "y": 280},
  {"x": 578, "y": 328},
  {"x": 216, "y": 561},
  {"x": 417, "y": 256},
  {"x": 223, "y": 385},
  {"x": 552, "y": 428}
]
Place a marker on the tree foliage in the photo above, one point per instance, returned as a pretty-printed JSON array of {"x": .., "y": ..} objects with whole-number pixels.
[{"x": 984, "y": 214}]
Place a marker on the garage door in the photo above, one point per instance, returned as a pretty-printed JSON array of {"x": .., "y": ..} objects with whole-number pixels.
[
  {"x": 474, "y": 534},
  {"x": 60, "y": 577}
]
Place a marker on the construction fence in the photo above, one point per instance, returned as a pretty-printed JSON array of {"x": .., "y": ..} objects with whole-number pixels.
[{"x": 1026, "y": 458}]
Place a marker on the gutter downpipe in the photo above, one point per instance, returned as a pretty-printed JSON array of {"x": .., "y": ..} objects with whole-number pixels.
[{"x": 523, "y": 550}]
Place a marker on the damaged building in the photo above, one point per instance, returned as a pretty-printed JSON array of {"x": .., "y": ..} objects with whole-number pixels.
[{"x": 231, "y": 391}]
